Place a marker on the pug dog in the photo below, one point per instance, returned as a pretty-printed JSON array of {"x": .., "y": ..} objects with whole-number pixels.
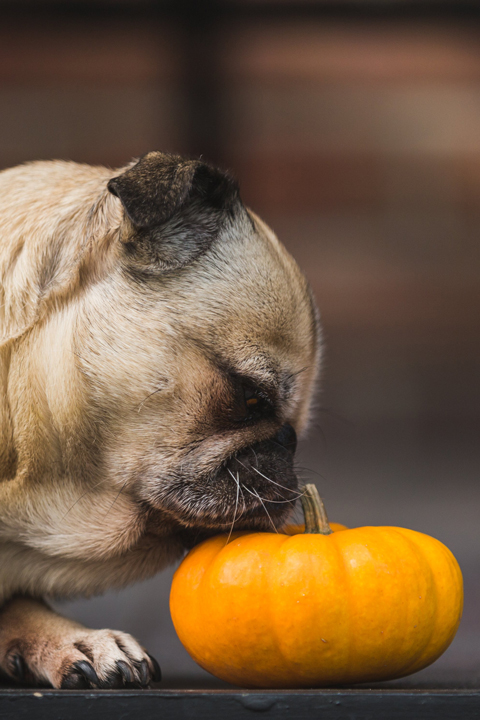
[{"x": 158, "y": 352}]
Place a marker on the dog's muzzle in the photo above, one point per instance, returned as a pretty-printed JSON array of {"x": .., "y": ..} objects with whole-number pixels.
[{"x": 255, "y": 488}]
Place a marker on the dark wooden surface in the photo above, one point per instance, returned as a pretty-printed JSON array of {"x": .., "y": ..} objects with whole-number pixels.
[
  {"x": 445, "y": 698},
  {"x": 343, "y": 704}
]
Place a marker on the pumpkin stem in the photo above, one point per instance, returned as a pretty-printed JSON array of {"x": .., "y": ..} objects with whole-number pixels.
[{"x": 316, "y": 520}]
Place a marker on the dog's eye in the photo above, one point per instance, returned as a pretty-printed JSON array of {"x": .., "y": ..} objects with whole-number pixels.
[{"x": 251, "y": 405}]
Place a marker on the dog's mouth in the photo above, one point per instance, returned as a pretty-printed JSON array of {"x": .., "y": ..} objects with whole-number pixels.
[{"x": 255, "y": 489}]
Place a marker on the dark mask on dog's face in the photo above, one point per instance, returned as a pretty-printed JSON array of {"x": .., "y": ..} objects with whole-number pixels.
[{"x": 201, "y": 355}]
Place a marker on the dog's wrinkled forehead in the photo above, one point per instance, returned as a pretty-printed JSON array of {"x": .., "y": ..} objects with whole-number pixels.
[{"x": 250, "y": 295}]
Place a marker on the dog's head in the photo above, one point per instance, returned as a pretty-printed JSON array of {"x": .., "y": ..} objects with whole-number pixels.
[{"x": 192, "y": 360}]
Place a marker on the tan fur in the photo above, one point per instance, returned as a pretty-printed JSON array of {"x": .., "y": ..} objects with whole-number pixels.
[
  {"x": 108, "y": 385},
  {"x": 63, "y": 643}
]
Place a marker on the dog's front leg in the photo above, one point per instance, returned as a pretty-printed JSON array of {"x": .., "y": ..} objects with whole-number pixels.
[{"x": 40, "y": 647}]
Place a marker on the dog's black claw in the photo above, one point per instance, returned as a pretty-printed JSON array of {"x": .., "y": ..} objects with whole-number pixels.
[
  {"x": 157, "y": 673},
  {"x": 18, "y": 668},
  {"x": 74, "y": 681},
  {"x": 125, "y": 671},
  {"x": 144, "y": 672},
  {"x": 88, "y": 672}
]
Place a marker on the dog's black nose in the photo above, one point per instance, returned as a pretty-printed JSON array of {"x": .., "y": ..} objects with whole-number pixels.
[{"x": 287, "y": 437}]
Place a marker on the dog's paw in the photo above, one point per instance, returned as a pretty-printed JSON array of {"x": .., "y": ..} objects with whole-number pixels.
[{"x": 81, "y": 658}]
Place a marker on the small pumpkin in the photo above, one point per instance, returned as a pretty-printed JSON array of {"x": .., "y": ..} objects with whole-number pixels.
[{"x": 317, "y": 608}]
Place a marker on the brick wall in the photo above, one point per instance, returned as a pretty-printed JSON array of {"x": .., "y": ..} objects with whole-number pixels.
[{"x": 358, "y": 142}]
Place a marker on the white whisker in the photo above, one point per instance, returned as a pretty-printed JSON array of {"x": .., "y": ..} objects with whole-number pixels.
[
  {"x": 243, "y": 496},
  {"x": 265, "y": 508},
  {"x": 299, "y": 495},
  {"x": 272, "y": 481},
  {"x": 236, "y": 507}
]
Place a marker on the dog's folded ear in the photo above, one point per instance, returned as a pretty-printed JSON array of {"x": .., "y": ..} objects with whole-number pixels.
[
  {"x": 176, "y": 207},
  {"x": 160, "y": 184}
]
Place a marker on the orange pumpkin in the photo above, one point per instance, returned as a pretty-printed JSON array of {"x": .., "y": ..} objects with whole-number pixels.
[{"x": 317, "y": 608}]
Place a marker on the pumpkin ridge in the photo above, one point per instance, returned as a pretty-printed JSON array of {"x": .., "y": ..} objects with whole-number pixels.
[
  {"x": 436, "y": 625},
  {"x": 352, "y": 605},
  {"x": 424, "y": 571},
  {"x": 272, "y": 592},
  {"x": 347, "y": 580},
  {"x": 375, "y": 544},
  {"x": 292, "y": 663},
  {"x": 382, "y": 551},
  {"x": 264, "y": 611},
  {"x": 419, "y": 551}
]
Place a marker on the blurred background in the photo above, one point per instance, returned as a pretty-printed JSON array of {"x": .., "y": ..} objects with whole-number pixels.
[{"x": 354, "y": 129}]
